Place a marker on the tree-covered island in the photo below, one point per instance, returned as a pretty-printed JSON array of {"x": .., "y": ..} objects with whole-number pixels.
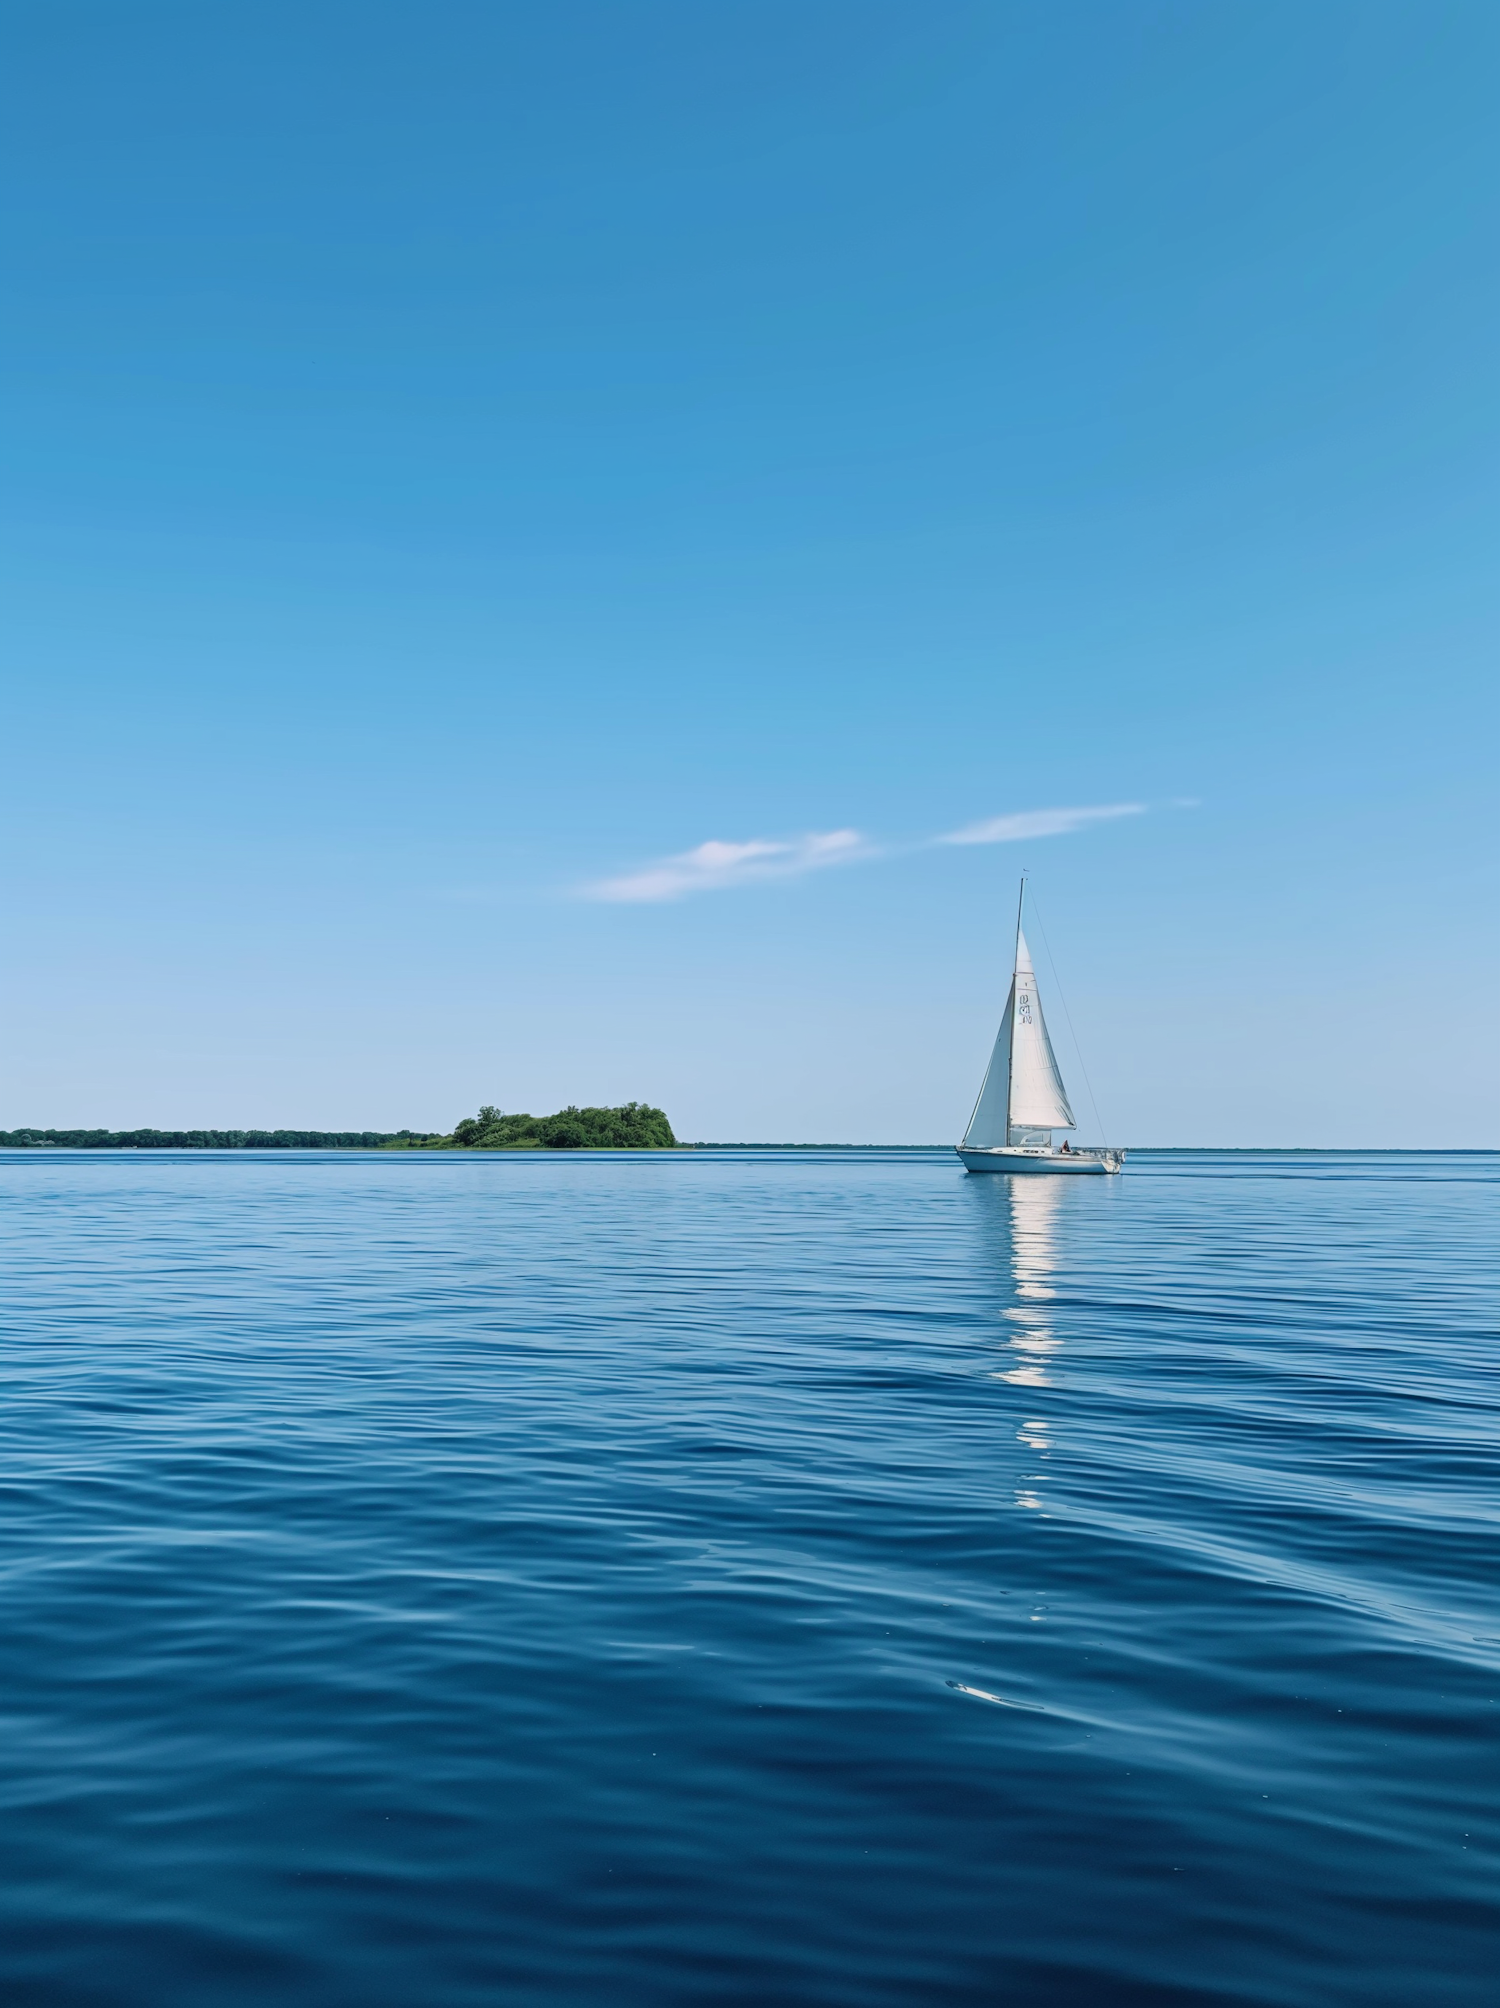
[{"x": 633, "y": 1127}]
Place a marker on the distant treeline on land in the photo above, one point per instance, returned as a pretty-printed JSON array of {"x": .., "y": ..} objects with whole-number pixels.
[
  {"x": 633, "y": 1127},
  {"x": 154, "y": 1139}
]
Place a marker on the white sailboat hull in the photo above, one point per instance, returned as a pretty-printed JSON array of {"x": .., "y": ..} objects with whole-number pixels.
[{"x": 1075, "y": 1163}]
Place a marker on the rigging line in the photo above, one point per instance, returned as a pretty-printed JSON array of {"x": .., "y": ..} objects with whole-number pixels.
[{"x": 1061, "y": 998}]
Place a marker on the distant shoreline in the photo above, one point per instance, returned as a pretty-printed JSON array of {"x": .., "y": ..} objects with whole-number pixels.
[{"x": 331, "y": 1141}]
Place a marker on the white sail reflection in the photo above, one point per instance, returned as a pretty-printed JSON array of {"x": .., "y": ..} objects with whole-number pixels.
[
  {"x": 1033, "y": 1240},
  {"x": 1034, "y": 1436}
]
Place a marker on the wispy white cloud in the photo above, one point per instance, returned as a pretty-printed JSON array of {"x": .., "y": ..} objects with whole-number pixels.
[
  {"x": 1037, "y": 823},
  {"x": 713, "y": 866}
]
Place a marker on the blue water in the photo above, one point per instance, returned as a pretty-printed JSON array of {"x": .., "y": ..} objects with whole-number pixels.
[{"x": 442, "y": 1580}]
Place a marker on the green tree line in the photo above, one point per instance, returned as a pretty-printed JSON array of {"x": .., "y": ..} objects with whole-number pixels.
[
  {"x": 154, "y": 1139},
  {"x": 635, "y": 1126}
]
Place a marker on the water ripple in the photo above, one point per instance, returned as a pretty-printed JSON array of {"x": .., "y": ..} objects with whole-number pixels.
[{"x": 452, "y": 1579}]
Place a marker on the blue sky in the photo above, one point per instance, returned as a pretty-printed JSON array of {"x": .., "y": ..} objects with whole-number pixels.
[{"x": 464, "y": 460}]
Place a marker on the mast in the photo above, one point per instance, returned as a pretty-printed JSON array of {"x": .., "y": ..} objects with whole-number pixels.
[{"x": 1015, "y": 965}]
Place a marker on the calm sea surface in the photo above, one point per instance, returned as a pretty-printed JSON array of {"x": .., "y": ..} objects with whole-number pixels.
[{"x": 748, "y": 1578}]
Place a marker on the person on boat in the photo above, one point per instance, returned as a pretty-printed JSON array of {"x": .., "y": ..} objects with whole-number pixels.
[{"x": 1065, "y": 1151}]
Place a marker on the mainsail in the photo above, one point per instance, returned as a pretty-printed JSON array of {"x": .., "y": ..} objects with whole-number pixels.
[
  {"x": 1037, "y": 1095},
  {"x": 1022, "y": 1087}
]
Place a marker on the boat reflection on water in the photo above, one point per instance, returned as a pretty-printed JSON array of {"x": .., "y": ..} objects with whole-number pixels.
[
  {"x": 1033, "y": 1206},
  {"x": 1022, "y": 1226}
]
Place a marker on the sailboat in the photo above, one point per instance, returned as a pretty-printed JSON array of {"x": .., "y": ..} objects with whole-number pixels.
[{"x": 1023, "y": 1100}]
